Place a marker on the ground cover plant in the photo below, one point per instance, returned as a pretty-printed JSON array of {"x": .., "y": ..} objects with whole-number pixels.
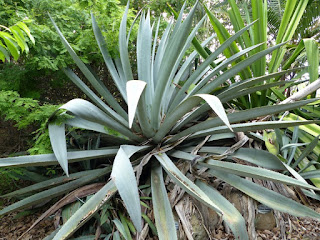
[{"x": 173, "y": 119}]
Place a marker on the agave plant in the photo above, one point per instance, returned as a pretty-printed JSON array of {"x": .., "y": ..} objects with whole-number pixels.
[{"x": 167, "y": 120}]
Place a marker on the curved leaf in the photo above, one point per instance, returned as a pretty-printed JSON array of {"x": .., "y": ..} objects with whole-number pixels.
[
  {"x": 161, "y": 206},
  {"x": 59, "y": 145},
  {"x": 49, "y": 183},
  {"x": 54, "y": 192},
  {"x": 134, "y": 91},
  {"x": 86, "y": 211},
  {"x": 90, "y": 112},
  {"x": 250, "y": 155},
  {"x": 125, "y": 181},
  {"x": 265, "y": 196},
  {"x": 216, "y": 106},
  {"x": 101, "y": 89},
  {"x": 230, "y": 214},
  {"x": 94, "y": 98},
  {"x": 253, "y": 126},
  {"x": 185, "y": 183},
  {"x": 254, "y": 172},
  {"x": 107, "y": 58},
  {"x": 50, "y": 159}
]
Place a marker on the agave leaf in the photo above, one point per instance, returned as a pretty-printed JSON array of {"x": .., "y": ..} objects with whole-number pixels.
[
  {"x": 238, "y": 23},
  {"x": 179, "y": 19},
  {"x": 102, "y": 90},
  {"x": 160, "y": 53},
  {"x": 50, "y": 159},
  {"x": 81, "y": 123},
  {"x": 254, "y": 172},
  {"x": 254, "y": 126},
  {"x": 86, "y": 211},
  {"x": 294, "y": 173},
  {"x": 176, "y": 66},
  {"x": 134, "y": 91},
  {"x": 259, "y": 88},
  {"x": 59, "y": 145},
  {"x": 124, "y": 178},
  {"x": 233, "y": 117},
  {"x": 207, "y": 62},
  {"x": 49, "y": 183},
  {"x": 183, "y": 70},
  {"x": 235, "y": 87},
  {"x": 172, "y": 118},
  {"x": 221, "y": 136},
  {"x": 84, "y": 88},
  {"x": 153, "y": 55},
  {"x": 161, "y": 206},
  {"x": 123, "y": 47},
  {"x": 172, "y": 52},
  {"x": 236, "y": 68},
  {"x": 54, "y": 192},
  {"x": 144, "y": 43},
  {"x": 230, "y": 214},
  {"x": 185, "y": 183},
  {"x": 220, "y": 67},
  {"x": 120, "y": 83},
  {"x": 250, "y": 155},
  {"x": 311, "y": 194},
  {"x": 259, "y": 11},
  {"x": 216, "y": 106},
  {"x": 90, "y": 112},
  {"x": 265, "y": 196}
]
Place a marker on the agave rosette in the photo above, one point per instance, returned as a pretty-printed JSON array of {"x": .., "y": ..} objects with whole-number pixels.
[{"x": 164, "y": 123}]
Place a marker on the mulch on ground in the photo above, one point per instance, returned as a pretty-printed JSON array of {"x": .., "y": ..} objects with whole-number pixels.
[
  {"x": 296, "y": 228},
  {"x": 12, "y": 229}
]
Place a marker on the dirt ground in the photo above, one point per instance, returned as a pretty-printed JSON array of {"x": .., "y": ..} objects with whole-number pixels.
[
  {"x": 12, "y": 229},
  {"x": 295, "y": 228}
]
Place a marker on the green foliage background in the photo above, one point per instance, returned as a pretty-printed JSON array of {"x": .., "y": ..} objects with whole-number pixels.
[{"x": 48, "y": 54}]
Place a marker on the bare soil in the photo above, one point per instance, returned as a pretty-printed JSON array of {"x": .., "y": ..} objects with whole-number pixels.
[{"x": 295, "y": 228}]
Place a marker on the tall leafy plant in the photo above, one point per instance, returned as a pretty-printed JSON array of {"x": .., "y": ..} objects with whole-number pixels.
[
  {"x": 13, "y": 40},
  {"x": 282, "y": 58},
  {"x": 165, "y": 122}
]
